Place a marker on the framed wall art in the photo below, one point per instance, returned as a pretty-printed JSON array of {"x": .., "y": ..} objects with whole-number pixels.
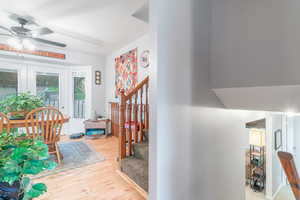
[
  {"x": 145, "y": 59},
  {"x": 278, "y": 139},
  {"x": 97, "y": 77}
]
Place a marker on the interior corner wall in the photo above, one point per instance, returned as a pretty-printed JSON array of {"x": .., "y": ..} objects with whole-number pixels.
[
  {"x": 277, "y": 123},
  {"x": 142, "y": 43},
  {"x": 199, "y": 146}
]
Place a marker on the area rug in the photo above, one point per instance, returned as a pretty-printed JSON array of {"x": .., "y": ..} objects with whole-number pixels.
[{"x": 76, "y": 155}]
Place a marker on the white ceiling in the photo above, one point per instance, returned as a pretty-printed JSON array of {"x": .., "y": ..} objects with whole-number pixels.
[
  {"x": 95, "y": 26},
  {"x": 273, "y": 98}
]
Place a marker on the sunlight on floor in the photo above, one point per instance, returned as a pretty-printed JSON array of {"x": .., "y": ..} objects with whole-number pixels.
[
  {"x": 251, "y": 195},
  {"x": 285, "y": 194}
]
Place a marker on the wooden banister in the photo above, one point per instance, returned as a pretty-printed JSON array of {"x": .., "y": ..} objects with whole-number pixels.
[
  {"x": 133, "y": 117},
  {"x": 137, "y": 88},
  {"x": 288, "y": 164}
]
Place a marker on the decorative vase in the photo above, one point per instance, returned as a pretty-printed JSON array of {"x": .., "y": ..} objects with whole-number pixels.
[{"x": 11, "y": 192}]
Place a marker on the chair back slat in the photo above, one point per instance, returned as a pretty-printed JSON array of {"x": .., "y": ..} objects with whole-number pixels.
[
  {"x": 44, "y": 122},
  {"x": 4, "y": 123}
]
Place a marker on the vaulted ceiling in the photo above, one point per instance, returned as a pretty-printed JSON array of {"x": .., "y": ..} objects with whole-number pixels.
[{"x": 93, "y": 26}]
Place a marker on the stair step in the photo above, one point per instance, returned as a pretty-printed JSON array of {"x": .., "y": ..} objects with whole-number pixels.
[
  {"x": 146, "y": 135},
  {"x": 141, "y": 151},
  {"x": 137, "y": 170}
]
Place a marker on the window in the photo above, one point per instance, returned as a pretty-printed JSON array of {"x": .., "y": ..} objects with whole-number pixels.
[
  {"x": 47, "y": 85},
  {"x": 8, "y": 83},
  {"x": 79, "y": 97}
]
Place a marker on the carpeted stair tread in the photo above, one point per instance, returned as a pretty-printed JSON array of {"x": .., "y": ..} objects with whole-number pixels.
[
  {"x": 137, "y": 170},
  {"x": 141, "y": 151},
  {"x": 146, "y": 136}
]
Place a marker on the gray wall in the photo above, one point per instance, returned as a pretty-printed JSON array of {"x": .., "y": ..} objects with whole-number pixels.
[
  {"x": 255, "y": 43},
  {"x": 195, "y": 145}
]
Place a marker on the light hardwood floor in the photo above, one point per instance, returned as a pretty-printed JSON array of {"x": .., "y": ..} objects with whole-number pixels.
[{"x": 95, "y": 182}]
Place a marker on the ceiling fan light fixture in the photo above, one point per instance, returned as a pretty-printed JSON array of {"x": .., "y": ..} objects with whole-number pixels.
[
  {"x": 27, "y": 44},
  {"x": 21, "y": 44},
  {"x": 15, "y": 43}
]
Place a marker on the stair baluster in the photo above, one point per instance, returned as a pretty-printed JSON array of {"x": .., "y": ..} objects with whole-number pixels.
[
  {"x": 129, "y": 127},
  {"x": 141, "y": 114},
  {"x": 135, "y": 117},
  {"x": 130, "y": 118}
]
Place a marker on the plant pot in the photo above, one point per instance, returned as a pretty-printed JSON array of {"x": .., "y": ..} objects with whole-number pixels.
[{"x": 11, "y": 192}]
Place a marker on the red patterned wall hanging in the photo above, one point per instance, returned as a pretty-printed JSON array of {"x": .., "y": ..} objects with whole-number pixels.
[{"x": 126, "y": 72}]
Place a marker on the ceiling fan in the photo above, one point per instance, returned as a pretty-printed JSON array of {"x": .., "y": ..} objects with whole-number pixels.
[{"x": 21, "y": 36}]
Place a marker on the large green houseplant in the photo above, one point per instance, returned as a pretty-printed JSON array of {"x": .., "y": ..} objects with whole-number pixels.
[
  {"x": 20, "y": 158},
  {"x": 17, "y": 106}
]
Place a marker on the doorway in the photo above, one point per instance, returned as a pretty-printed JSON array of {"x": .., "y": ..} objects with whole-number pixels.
[
  {"x": 64, "y": 87},
  {"x": 80, "y": 97},
  {"x": 255, "y": 160}
]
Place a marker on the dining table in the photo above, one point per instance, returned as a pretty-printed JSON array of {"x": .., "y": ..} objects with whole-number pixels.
[{"x": 21, "y": 123}]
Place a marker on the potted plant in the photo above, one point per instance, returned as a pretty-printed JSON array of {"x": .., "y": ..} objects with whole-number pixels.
[
  {"x": 20, "y": 158},
  {"x": 17, "y": 106}
]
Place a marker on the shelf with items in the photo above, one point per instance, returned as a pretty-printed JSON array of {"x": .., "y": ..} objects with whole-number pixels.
[{"x": 257, "y": 168}]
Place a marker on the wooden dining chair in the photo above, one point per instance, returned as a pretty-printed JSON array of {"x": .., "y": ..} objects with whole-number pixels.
[
  {"x": 4, "y": 123},
  {"x": 288, "y": 164},
  {"x": 46, "y": 123}
]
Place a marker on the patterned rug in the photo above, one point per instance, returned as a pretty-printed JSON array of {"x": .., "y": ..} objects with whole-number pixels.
[{"x": 76, "y": 155}]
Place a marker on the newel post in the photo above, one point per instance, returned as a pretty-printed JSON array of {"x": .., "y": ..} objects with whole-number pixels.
[{"x": 122, "y": 133}]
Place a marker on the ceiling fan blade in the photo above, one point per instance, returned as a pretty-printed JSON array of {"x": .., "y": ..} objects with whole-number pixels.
[
  {"x": 6, "y": 29},
  {"x": 41, "y": 31},
  {"x": 7, "y": 35},
  {"x": 29, "y": 20},
  {"x": 49, "y": 42}
]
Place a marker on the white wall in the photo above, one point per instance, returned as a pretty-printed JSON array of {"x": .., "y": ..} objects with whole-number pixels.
[
  {"x": 197, "y": 148},
  {"x": 297, "y": 141},
  {"x": 277, "y": 121},
  {"x": 143, "y": 43},
  {"x": 255, "y": 43},
  {"x": 272, "y": 98}
]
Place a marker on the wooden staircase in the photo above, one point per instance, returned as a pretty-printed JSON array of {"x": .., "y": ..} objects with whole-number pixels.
[{"x": 130, "y": 122}]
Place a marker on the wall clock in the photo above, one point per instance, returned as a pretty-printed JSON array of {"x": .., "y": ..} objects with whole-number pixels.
[{"x": 145, "y": 60}]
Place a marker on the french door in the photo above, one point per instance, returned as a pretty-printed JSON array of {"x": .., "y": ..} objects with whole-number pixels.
[
  {"x": 50, "y": 84},
  {"x": 81, "y": 98},
  {"x": 12, "y": 79},
  {"x": 66, "y": 88}
]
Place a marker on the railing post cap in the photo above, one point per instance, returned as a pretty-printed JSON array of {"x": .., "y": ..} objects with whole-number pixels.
[{"x": 122, "y": 91}]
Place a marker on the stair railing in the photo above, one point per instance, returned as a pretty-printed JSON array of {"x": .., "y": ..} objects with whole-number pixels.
[
  {"x": 133, "y": 117},
  {"x": 114, "y": 116}
]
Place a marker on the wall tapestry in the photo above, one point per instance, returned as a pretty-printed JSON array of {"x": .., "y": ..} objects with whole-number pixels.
[{"x": 126, "y": 72}]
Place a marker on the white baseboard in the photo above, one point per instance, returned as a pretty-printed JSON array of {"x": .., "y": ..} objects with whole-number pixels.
[{"x": 276, "y": 193}]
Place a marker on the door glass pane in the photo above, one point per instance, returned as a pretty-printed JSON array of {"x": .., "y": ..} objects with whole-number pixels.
[
  {"x": 47, "y": 85},
  {"x": 8, "y": 83},
  {"x": 79, "y": 97}
]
